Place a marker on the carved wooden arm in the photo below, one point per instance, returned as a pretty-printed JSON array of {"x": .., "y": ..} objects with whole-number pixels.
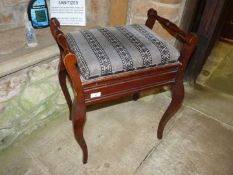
[
  {"x": 68, "y": 59},
  {"x": 189, "y": 40},
  {"x": 55, "y": 27},
  {"x": 172, "y": 28},
  {"x": 70, "y": 62}
]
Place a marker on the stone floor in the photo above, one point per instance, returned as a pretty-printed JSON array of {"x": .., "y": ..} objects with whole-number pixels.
[
  {"x": 121, "y": 138},
  {"x": 217, "y": 72}
]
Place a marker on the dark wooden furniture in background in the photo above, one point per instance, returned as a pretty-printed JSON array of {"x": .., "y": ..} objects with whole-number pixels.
[
  {"x": 122, "y": 84},
  {"x": 206, "y": 19},
  {"x": 227, "y": 30}
]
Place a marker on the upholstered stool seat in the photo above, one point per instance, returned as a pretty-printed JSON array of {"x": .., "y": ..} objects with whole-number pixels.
[{"x": 112, "y": 50}]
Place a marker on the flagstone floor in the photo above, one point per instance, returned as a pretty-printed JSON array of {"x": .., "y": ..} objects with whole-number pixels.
[{"x": 121, "y": 138}]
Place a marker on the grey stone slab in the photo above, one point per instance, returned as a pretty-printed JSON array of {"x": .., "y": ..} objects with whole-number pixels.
[
  {"x": 222, "y": 77},
  {"x": 119, "y": 136},
  {"x": 19, "y": 62},
  {"x": 216, "y": 58},
  {"x": 195, "y": 145},
  {"x": 215, "y": 104}
]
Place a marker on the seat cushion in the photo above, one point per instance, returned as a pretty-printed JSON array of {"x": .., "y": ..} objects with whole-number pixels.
[{"x": 112, "y": 50}]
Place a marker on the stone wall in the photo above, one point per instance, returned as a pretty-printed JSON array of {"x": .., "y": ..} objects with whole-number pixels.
[
  {"x": 170, "y": 9},
  {"x": 28, "y": 99},
  {"x": 12, "y": 13},
  {"x": 100, "y": 13}
]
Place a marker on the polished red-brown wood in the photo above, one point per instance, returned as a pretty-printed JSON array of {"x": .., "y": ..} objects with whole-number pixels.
[{"x": 118, "y": 85}]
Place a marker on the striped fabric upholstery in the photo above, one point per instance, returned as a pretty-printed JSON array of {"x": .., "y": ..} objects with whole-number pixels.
[{"x": 112, "y": 50}]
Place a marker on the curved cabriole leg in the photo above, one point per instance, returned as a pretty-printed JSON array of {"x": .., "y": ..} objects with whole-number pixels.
[
  {"x": 78, "y": 118},
  {"x": 177, "y": 91},
  {"x": 62, "y": 74}
]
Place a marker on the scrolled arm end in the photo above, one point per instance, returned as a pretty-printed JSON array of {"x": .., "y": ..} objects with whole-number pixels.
[
  {"x": 55, "y": 27},
  {"x": 151, "y": 17},
  {"x": 152, "y": 13}
]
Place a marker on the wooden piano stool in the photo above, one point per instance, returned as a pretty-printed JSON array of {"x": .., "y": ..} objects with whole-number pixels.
[{"x": 105, "y": 64}]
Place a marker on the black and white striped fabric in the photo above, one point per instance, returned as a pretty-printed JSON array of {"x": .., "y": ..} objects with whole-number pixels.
[{"x": 112, "y": 50}]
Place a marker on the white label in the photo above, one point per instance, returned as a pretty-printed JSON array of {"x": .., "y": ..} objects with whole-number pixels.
[
  {"x": 69, "y": 12},
  {"x": 97, "y": 94}
]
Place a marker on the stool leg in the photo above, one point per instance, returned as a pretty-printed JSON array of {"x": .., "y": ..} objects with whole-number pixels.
[
  {"x": 136, "y": 96},
  {"x": 177, "y": 91},
  {"x": 78, "y": 119},
  {"x": 62, "y": 74}
]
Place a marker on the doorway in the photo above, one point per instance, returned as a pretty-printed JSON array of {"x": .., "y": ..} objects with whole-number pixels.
[
  {"x": 217, "y": 72},
  {"x": 205, "y": 18}
]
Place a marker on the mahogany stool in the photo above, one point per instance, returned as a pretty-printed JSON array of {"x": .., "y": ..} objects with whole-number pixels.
[{"x": 108, "y": 63}]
